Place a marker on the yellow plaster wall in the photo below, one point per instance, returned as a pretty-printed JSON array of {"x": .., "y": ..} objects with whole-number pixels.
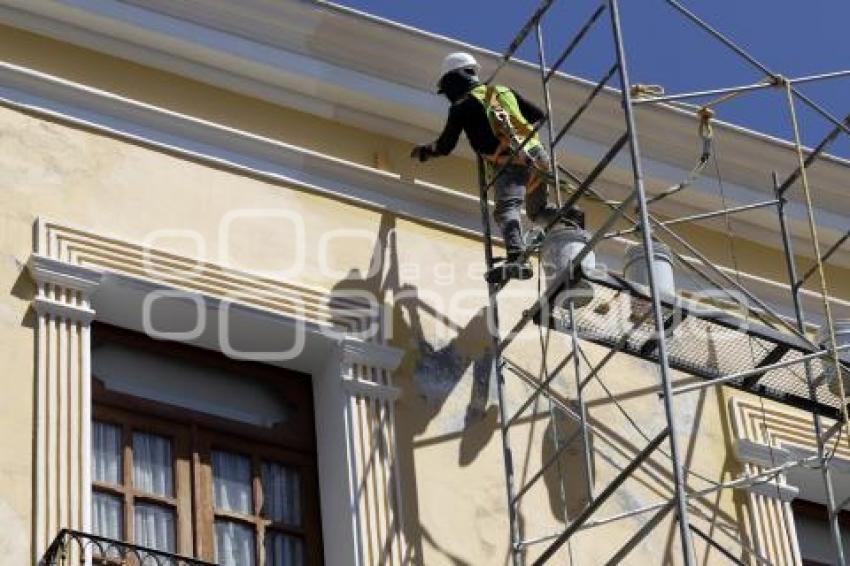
[
  {"x": 201, "y": 100},
  {"x": 450, "y": 448},
  {"x": 16, "y": 382}
]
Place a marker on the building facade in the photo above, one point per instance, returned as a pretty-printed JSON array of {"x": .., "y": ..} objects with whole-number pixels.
[{"x": 240, "y": 324}]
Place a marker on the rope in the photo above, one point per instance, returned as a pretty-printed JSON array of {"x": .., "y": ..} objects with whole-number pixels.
[
  {"x": 813, "y": 232},
  {"x": 644, "y": 91},
  {"x": 706, "y": 133},
  {"x": 731, "y": 95},
  {"x": 730, "y": 238}
]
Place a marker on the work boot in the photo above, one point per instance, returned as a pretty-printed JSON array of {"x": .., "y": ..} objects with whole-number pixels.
[
  {"x": 574, "y": 216},
  {"x": 545, "y": 215},
  {"x": 516, "y": 266}
]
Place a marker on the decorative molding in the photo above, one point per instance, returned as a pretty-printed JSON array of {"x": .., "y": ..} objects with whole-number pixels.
[
  {"x": 766, "y": 436},
  {"x": 355, "y": 418},
  {"x": 292, "y": 54},
  {"x": 371, "y": 390},
  {"x": 760, "y": 454},
  {"x": 151, "y": 270},
  {"x": 357, "y": 351},
  {"x": 280, "y": 162},
  {"x": 789, "y": 431},
  {"x": 774, "y": 489},
  {"x": 63, "y": 310},
  {"x": 64, "y": 289},
  {"x": 62, "y": 492},
  {"x": 44, "y": 269}
]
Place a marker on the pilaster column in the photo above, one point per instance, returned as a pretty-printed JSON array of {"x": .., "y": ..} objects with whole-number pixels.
[
  {"x": 62, "y": 494},
  {"x": 366, "y": 372},
  {"x": 771, "y": 522}
]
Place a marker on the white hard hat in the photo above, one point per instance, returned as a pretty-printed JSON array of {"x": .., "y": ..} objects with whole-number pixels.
[{"x": 457, "y": 60}]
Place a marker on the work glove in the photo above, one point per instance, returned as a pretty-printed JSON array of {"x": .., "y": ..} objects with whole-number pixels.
[{"x": 423, "y": 152}]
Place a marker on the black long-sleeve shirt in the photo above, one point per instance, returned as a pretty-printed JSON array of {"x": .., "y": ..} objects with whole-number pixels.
[{"x": 468, "y": 115}]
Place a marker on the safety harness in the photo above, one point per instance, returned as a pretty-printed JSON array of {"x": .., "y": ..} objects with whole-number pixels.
[{"x": 511, "y": 129}]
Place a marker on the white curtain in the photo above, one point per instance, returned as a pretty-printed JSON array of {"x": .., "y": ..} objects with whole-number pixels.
[
  {"x": 106, "y": 453},
  {"x": 232, "y": 481},
  {"x": 234, "y": 544},
  {"x": 107, "y": 512},
  {"x": 281, "y": 493},
  {"x": 152, "y": 464},
  {"x": 283, "y": 550},
  {"x": 154, "y": 526}
]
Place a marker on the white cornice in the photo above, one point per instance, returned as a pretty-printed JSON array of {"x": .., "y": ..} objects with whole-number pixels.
[
  {"x": 63, "y": 310},
  {"x": 275, "y": 161},
  {"x": 275, "y": 72},
  {"x": 72, "y": 277},
  {"x": 760, "y": 454},
  {"x": 333, "y": 62},
  {"x": 371, "y": 389},
  {"x": 240, "y": 150},
  {"x": 360, "y": 352}
]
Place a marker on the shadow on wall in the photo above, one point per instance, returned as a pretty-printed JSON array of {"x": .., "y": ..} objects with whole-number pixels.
[
  {"x": 24, "y": 289},
  {"x": 432, "y": 379},
  {"x": 427, "y": 376},
  {"x": 566, "y": 477},
  {"x": 438, "y": 371}
]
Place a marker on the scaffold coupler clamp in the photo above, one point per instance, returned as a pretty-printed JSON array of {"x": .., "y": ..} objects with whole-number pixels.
[{"x": 778, "y": 80}]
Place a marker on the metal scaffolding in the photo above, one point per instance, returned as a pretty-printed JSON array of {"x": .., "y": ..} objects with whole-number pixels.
[{"x": 784, "y": 345}]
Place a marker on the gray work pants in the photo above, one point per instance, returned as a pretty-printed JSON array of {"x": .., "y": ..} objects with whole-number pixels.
[{"x": 510, "y": 194}]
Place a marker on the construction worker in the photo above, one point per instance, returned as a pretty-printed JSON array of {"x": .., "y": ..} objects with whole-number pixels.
[{"x": 497, "y": 121}]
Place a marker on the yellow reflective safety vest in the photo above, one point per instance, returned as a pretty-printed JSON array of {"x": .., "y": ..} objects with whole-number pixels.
[
  {"x": 511, "y": 129},
  {"x": 507, "y": 122}
]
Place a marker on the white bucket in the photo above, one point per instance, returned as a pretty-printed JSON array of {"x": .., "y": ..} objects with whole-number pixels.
[
  {"x": 662, "y": 268},
  {"x": 842, "y": 338},
  {"x": 561, "y": 245}
]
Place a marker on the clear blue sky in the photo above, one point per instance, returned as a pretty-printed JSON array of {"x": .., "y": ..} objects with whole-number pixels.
[{"x": 792, "y": 37}]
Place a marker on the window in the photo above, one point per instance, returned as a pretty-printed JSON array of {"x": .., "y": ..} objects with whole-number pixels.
[
  {"x": 257, "y": 504},
  {"x": 135, "y": 488},
  {"x": 184, "y": 481},
  {"x": 813, "y": 533}
]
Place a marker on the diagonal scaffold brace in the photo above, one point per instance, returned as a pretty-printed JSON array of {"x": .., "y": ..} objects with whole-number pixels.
[{"x": 637, "y": 202}]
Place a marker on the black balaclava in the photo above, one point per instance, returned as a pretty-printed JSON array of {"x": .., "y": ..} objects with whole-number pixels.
[{"x": 455, "y": 84}]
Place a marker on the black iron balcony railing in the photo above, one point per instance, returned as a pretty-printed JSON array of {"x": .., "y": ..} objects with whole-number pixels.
[{"x": 71, "y": 547}]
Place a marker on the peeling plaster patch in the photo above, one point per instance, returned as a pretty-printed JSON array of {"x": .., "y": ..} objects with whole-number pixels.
[
  {"x": 626, "y": 500},
  {"x": 456, "y": 386},
  {"x": 438, "y": 372},
  {"x": 483, "y": 391},
  {"x": 687, "y": 407}
]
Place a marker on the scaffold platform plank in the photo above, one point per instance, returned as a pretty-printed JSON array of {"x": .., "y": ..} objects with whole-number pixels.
[{"x": 702, "y": 340}]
